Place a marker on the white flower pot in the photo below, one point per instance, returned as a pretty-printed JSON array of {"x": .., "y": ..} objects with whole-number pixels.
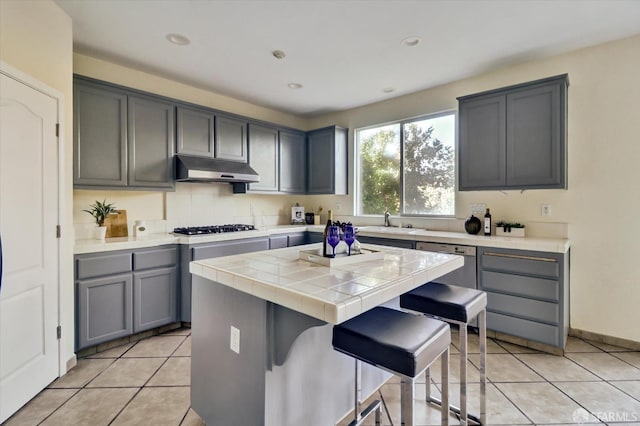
[{"x": 100, "y": 232}]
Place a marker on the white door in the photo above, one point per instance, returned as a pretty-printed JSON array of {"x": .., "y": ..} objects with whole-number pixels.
[{"x": 28, "y": 219}]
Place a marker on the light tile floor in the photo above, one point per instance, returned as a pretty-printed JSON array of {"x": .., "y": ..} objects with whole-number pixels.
[{"x": 148, "y": 383}]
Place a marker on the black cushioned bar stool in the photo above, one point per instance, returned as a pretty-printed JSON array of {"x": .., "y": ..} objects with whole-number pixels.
[
  {"x": 457, "y": 305},
  {"x": 400, "y": 343}
]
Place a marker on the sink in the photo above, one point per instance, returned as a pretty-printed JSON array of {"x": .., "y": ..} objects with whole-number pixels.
[{"x": 387, "y": 230}]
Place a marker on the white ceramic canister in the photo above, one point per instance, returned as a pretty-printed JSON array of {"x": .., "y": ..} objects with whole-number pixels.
[{"x": 140, "y": 229}]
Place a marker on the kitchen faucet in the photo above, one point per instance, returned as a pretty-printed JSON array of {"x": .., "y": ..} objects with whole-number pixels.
[{"x": 387, "y": 223}]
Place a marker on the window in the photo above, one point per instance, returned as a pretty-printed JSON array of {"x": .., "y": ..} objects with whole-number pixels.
[{"x": 408, "y": 167}]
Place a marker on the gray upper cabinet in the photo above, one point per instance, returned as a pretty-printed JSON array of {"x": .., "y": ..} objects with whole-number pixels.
[
  {"x": 482, "y": 157},
  {"x": 99, "y": 136},
  {"x": 231, "y": 138},
  {"x": 327, "y": 161},
  {"x": 151, "y": 139},
  {"x": 195, "y": 132},
  {"x": 121, "y": 138},
  {"x": 515, "y": 137},
  {"x": 263, "y": 157},
  {"x": 293, "y": 154}
]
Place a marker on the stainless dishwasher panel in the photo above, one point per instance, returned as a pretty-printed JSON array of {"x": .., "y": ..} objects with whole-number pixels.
[{"x": 463, "y": 277}]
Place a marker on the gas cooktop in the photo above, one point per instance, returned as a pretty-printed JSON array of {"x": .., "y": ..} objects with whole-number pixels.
[{"x": 214, "y": 229}]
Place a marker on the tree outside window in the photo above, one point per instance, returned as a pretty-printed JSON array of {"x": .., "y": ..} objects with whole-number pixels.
[{"x": 408, "y": 168}]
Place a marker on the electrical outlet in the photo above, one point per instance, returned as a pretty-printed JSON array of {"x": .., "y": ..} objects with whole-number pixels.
[
  {"x": 478, "y": 209},
  {"x": 252, "y": 210},
  {"x": 337, "y": 207},
  {"x": 234, "y": 344},
  {"x": 545, "y": 210}
]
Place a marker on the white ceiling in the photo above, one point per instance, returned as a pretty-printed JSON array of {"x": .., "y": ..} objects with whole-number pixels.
[{"x": 344, "y": 53}]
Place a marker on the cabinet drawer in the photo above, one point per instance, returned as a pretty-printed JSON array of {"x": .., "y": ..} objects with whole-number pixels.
[
  {"x": 529, "y": 330},
  {"x": 156, "y": 258},
  {"x": 229, "y": 248},
  {"x": 104, "y": 264},
  {"x": 297, "y": 239},
  {"x": 524, "y": 308},
  {"x": 521, "y": 264},
  {"x": 539, "y": 288},
  {"x": 278, "y": 241}
]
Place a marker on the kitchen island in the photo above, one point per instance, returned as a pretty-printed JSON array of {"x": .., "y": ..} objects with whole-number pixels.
[{"x": 262, "y": 327}]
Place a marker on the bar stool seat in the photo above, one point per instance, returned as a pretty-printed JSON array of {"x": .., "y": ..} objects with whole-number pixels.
[
  {"x": 456, "y": 305},
  {"x": 398, "y": 342}
]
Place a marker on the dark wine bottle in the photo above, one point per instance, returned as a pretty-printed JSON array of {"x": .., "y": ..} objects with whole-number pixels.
[
  {"x": 325, "y": 244},
  {"x": 487, "y": 223}
]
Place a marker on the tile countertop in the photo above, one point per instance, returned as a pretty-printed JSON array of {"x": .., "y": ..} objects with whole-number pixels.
[
  {"x": 553, "y": 245},
  {"x": 332, "y": 294}
]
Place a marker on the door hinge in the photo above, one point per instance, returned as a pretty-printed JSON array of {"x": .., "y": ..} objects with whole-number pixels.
[
  {"x": 57, "y": 130},
  {"x": 59, "y": 332},
  {"x": 58, "y": 231}
]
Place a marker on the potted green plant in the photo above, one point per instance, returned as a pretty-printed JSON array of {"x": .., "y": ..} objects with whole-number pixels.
[{"x": 99, "y": 211}]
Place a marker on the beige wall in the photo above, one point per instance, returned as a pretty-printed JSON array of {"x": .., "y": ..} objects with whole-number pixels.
[
  {"x": 604, "y": 148},
  {"x": 36, "y": 38},
  {"x": 602, "y": 201}
]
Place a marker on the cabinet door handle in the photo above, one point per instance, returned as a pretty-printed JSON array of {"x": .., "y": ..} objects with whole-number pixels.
[{"x": 516, "y": 256}]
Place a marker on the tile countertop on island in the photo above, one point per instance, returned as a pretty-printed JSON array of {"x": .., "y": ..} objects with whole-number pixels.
[
  {"x": 332, "y": 294},
  {"x": 553, "y": 245}
]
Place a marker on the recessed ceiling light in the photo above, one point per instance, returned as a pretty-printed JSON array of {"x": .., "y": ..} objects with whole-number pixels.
[
  {"x": 388, "y": 90},
  {"x": 412, "y": 41},
  {"x": 178, "y": 39},
  {"x": 294, "y": 86},
  {"x": 278, "y": 54}
]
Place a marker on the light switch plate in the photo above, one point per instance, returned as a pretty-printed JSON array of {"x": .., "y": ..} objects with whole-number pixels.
[{"x": 234, "y": 344}]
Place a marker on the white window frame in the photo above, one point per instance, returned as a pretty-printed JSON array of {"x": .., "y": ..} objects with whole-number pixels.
[{"x": 356, "y": 177}]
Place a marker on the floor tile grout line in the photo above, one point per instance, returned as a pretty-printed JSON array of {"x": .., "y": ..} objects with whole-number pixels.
[
  {"x": 125, "y": 406},
  {"x": 622, "y": 390},
  {"x": 58, "y": 407},
  {"x": 623, "y": 360}
]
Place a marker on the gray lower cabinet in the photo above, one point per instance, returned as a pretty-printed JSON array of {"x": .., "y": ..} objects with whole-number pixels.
[
  {"x": 231, "y": 138},
  {"x": 202, "y": 251},
  {"x": 514, "y": 137},
  {"x": 103, "y": 309},
  {"x": 122, "y": 139},
  {"x": 263, "y": 157},
  {"x": 407, "y": 244},
  {"x": 287, "y": 240},
  {"x": 124, "y": 292},
  {"x": 293, "y": 157},
  {"x": 154, "y": 295},
  {"x": 527, "y": 293},
  {"x": 327, "y": 161},
  {"x": 194, "y": 131}
]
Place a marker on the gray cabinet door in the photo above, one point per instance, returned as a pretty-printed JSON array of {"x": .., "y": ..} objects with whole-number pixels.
[
  {"x": 482, "y": 156},
  {"x": 207, "y": 251},
  {"x": 297, "y": 239},
  {"x": 514, "y": 137},
  {"x": 293, "y": 154},
  {"x": 151, "y": 140},
  {"x": 278, "y": 241},
  {"x": 154, "y": 298},
  {"x": 535, "y": 152},
  {"x": 194, "y": 132},
  {"x": 263, "y": 157},
  {"x": 99, "y": 136},
  {"x": 327, "y": 161},
  {"x": 230, "y": 138},
  {"x": 103, "y": 309}
]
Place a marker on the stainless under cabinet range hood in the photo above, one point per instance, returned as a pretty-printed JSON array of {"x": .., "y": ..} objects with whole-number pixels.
[{"x": 198, "y": 169}]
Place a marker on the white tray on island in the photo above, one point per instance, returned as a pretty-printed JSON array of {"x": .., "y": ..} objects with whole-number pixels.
[{"x": 342, "y": 258}]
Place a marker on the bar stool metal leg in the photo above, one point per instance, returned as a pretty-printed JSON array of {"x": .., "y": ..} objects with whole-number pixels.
[
  {"x": 444, "y": 372},
  {"x": 482, "y": 325}
]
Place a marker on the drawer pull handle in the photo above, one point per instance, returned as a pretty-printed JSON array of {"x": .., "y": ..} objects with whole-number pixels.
[{"x": 515, "y": 256}]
